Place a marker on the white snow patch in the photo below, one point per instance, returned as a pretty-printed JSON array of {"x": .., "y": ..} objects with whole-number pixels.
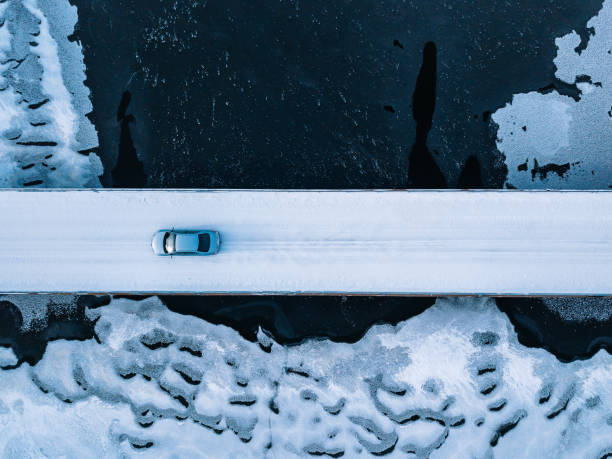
[
  {"x": 7, "y": 357},
  {"x": 537, "y": 112}
]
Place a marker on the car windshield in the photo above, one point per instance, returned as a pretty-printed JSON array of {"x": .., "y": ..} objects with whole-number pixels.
[{"x": 169, "y": 239}]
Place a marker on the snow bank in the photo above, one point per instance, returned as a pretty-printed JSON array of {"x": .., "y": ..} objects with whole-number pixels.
[
  {"x": 452, "y": 381},
  {"x": 554, "y": 141},
  {"x": 43, "y": 100}
]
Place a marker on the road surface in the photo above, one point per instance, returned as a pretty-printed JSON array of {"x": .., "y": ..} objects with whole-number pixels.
[{"x": 289, "y": 242}]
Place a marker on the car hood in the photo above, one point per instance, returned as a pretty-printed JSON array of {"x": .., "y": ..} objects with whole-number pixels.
[{"x": 157, "y": 243}]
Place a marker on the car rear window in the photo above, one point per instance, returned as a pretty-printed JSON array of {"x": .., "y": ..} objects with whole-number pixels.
[{"x": 203, "y": 242}]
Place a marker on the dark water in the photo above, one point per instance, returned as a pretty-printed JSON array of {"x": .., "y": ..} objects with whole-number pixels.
[
  {"x": 291, "y": 319},
  {"x": 128, "y": 171},
  {"x": 538, "y": 326},
  {"x": 318, "y": 94},
  {"x": 312, "y": 94},
  {"x": 30, "y": 345}
]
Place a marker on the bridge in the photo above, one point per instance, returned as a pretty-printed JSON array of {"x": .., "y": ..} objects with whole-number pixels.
[{"x": 376, "y": 242}]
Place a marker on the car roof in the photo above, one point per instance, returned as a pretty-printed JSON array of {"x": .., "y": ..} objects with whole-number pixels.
[{"x": 186, "y": 242}]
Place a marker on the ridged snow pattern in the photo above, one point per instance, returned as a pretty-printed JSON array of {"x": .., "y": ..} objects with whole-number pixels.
[
  {"x": 451, "y": 382},
  {"x": 43, "y": 100}
]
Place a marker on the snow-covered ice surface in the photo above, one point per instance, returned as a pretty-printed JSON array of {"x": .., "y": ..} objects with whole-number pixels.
[
  {"x": 581, "y": 309},
  {"x": 43, "y": 100},
  {"x": 452, "y": 381},
  {"x": 553, "y": 140}
]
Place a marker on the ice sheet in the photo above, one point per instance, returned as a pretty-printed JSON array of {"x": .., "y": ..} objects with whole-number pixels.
[{"x": 452, "y": 381}]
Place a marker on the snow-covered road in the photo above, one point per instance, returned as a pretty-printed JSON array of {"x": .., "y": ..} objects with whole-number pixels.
[{"x": 395, "y": 242}]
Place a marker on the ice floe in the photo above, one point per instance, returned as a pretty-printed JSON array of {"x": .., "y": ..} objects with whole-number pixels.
[{"x": 554, "y": 140}]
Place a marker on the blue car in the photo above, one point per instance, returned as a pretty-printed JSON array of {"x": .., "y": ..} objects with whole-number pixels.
[{"x": 185, "y": 242}]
